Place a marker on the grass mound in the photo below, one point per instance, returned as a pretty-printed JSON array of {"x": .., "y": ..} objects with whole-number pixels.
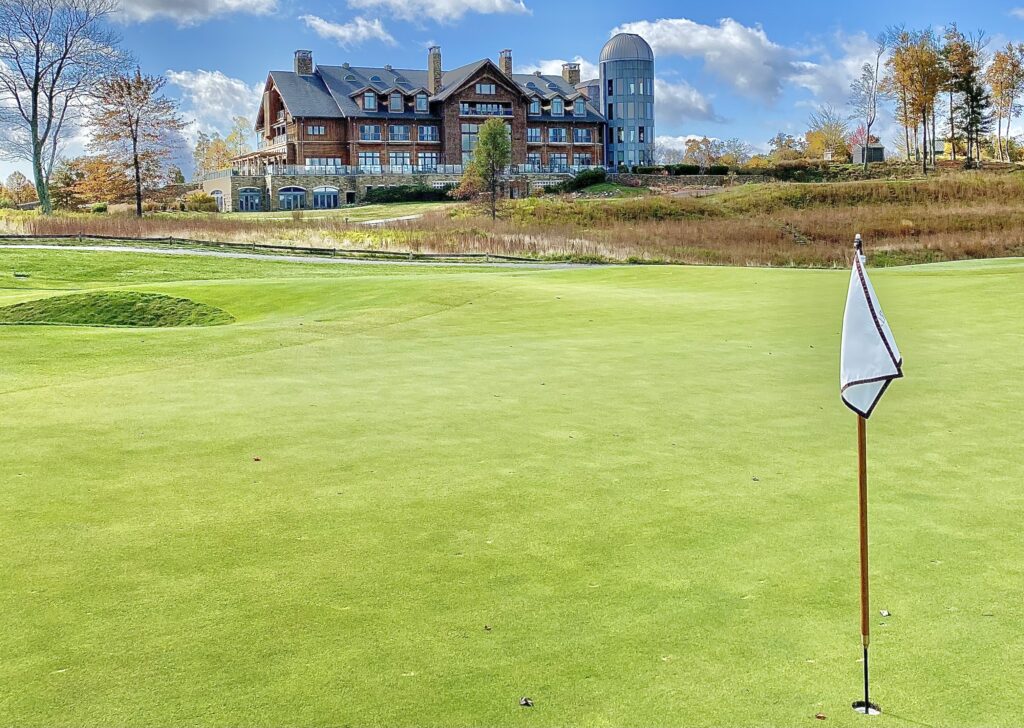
[{"x": 115, "y": 308}]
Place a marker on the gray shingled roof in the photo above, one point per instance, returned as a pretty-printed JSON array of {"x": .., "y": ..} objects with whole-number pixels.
[{"x": 329, "y": 92}]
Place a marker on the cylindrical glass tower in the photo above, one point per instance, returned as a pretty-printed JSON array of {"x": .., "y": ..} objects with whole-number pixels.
[{"x": 627, "y": 100}]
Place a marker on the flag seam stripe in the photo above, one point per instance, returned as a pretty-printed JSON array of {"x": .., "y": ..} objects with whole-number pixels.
[{"x": 874, "y": 315}]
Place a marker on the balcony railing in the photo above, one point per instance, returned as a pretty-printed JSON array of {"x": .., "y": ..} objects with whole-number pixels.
[
  {"x": 279, "y": 140},
  {"x": 465, "y": 110},
  {"x": 414, "y": 169}
]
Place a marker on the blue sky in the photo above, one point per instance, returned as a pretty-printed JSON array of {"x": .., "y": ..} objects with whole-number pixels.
[{"x": 726, "y": 69}]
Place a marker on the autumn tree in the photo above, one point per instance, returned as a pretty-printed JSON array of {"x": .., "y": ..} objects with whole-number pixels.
[
  {"x": 783, "y": 147},
  {"x": 868, "y": 92},
  {"x": 492, "y": 155},
  {"x": 1005, "y": 77},
  {"x": 238, "y": 138},
  {"x": 735, "y": 152},
  {"x": 53, "y": 54},
  {"x": 703, "y": 152},
  {"x": 827, "y": 134},
  {"x": 135, "y": 125},
  {"x": 19, "y": 190},
  {"x": 212, "y": 153}
]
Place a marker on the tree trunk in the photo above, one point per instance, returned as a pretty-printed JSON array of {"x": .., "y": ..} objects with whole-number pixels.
[
  {"x": 867, "y": 144},
  {"x": 933, "y": 135},
  {"x": 924, "y": 140},
  {"x": 42, "y": 188},
  {"x": 999, "y": 135},
  {"x": 138, "y": 178},
  {"x": 1008, "y": 120},
  {"x": 952, "y": 127}
]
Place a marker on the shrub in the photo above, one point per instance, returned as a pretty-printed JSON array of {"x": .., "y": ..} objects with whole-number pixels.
[
  {"x": 718, "y": 169},
  {"x": 407, "y": 193},
  {"x": 200, "y": 202},
  {"x": 586, "y": 178},
  {"x": 7, "y": 204},
  {"x": 650, "y": 170},
  {"x": 100, "y": 208},
  {"x": 685, "y": 169}
]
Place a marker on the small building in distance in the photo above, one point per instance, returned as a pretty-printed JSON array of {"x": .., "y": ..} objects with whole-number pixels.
[{"x": 875, "y": 153}]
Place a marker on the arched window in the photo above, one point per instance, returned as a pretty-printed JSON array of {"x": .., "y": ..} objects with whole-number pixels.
[
  {"x": 325, "y": 198},
  {"x": 218, "y": 197},
  {"x": 250, "y": 199},
  {"x": 291, "y": 198}
]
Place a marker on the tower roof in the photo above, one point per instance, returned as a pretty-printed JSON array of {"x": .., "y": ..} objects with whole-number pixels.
[{"x": 626, "y": 47}]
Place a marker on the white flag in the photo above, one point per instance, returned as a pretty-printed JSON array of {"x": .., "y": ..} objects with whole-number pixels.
[{"x": 870, "y": 359}]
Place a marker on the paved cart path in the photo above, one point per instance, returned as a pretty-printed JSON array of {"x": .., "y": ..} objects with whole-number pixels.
[{"x": 339, "y": 260}]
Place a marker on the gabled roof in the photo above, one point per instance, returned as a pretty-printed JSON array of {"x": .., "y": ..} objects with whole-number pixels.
[
  {"x": 548, "y": 87},
  {"x": 305, "y": 96}
]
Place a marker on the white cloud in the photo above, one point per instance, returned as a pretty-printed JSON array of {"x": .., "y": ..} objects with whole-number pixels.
[
  {"x": 553, "y": 67},
  {"x": 829, "y": 78},
  {"x": 1017, "y": 13},
  {"x": 188, "y": 12},
  {"x": 440, "y": 10},
  {"x": 677, "y": 101},
  {"x": 678, "y": 142},
  {"x": 740, "y": 55},
  {"x": 351, "y": 34},
  {"x": 211, "y": 99}
]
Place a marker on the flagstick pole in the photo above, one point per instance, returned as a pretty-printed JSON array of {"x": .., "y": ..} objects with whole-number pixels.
[{"x": 865, "y": 619}]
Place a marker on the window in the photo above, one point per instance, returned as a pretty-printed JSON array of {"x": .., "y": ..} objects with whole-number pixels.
[
  {"x": 325, "y": 198},
  {"x": 428, "y": 134},
  {"x": 429, "y": 159},
  {"x": 396, "y": 104},
  {"x": 218, "y": 197},
  {"x": 557, "y": 107},
  {"x": 250, "y": 199},
  {"x": 316, "y": 130},
  {"x": 650, "y": 87},
  {"x": 620, "y": 135},
  {"x": 579, "y": 107},
  {"x": 631, "y": 110},
  {"x": 470, "y": 134},
  {"x": 291, "y": 198},
  {"x": 583, "y": 136},
  {"x": 535, "y": 107},
  {"x": 611, "y": 87},
  {"x": 583, "y": 160},
  {"x": 556, "y": 135},
  {"x": 558, "y": 161},
  {"x": 399, "y": 133},
  {"x": 400, "y": 159},
  {"x": 486, "y": 89},
  {"x": 533, "y": 158},
  {"x": 641, "y": 135},
  {"x": 369, "y": 101},
  {"x": 481, "y": 109},
  {"x": 369, "y": 132},
  {"x": 323, "y": 161},
  {"x": 632, "y": 88},
  {"x": 632, "y": 136},
  {"x": 620, "y": 110},
  {"x": 422, "y": 105},
  {"x": 369, "y": 159},
  {"x": 611, "y": 110},
  {"x": 533, "y": 135}
]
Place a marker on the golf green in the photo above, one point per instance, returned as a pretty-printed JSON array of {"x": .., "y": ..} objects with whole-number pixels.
[{"x": 413, "y": 496}]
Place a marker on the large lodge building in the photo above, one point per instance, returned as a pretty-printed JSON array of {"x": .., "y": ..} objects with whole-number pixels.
[{"x": 326, "y": 134}]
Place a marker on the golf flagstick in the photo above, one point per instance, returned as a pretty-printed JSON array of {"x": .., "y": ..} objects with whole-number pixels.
[{"x": 868, "y": 364}]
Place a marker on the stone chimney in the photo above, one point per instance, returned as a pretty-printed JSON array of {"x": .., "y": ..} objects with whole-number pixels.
[
  {"x": 304, "y": 63},
  {"x": 571, "y": 73},
  {"x": 434, "y": 70},
  {"x": 505, "y": 62}
]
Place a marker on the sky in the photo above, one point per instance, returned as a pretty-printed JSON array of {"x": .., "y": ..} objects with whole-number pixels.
[{"x": 733, "y": 68}]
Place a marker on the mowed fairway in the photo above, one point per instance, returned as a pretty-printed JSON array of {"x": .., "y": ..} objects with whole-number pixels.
[{"x": 411, "y": 496}]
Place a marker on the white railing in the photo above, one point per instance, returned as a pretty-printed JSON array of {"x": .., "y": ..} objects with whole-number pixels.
[{"x": 396, "y": 170}]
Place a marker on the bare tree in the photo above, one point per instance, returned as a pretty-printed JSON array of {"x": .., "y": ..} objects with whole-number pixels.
[
  {"x": 52, "y": 54},
  {"x": 868, "y": 91}
]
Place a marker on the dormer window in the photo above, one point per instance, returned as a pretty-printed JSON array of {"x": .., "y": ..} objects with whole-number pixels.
[
  {"x": 579, "y": 108},
  {"x": 422, "y": 105},
  {"x": 369, "y": 101},
  {"x": 557, "y": 107},
  {"x": 396, "y": 104},
  {"x": 535, "y": 107}
]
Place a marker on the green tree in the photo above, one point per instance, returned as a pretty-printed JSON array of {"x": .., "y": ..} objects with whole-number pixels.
[
  {"x": 492, "y": 155},
  {"x": 238, "y": 138},
  {"x": 19, "y": 189}
]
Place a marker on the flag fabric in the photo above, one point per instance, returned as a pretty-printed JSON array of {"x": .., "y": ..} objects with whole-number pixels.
[{"x": 869, "y": 360}]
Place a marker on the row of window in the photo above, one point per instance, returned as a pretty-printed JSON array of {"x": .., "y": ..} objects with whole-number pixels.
[
  {"x": 399, "y": 159},
  {"x": 397, "y": 133},
  {"x": 395, "y": 102},
  {"x": 630, "y": 109},
  {"x": 561, "y": 160},
  {"x": 579, "y": 107},
  {"x": 632, "y": 87},
  {"x": 557, "y": 135},
  {"x": 621, "y": 136}
]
